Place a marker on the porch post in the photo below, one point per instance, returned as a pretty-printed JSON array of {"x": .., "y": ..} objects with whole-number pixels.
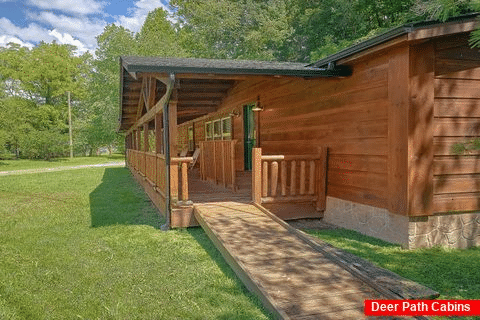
[
  {"x": 257, "y": 175},
  {"x": 138, "y": 139},
  {"x": 172, "y": 122}
]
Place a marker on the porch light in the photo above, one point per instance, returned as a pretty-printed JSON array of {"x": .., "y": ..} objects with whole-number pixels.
[{"x": 257, "y": 106}]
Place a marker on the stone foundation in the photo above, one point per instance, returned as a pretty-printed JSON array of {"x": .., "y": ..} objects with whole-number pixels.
[{"x": 451, "y": 230}]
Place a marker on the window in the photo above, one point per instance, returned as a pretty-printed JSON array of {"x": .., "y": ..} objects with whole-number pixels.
[
  {"x": 227, "y": 128},
  {"x": 191, "y": 141},
  {"x": 217, "y": 129},
  {"x": 208, "y": 131}
]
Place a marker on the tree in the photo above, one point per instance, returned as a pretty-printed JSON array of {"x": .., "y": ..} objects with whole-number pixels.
[
  {"x": 158, "y": 37},
  {"x": 231, "y": 29}
]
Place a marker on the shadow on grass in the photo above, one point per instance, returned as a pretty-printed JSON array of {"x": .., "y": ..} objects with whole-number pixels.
[
  {"x": 202, "y": 238},
  {"x": 118, "y": 199},
  {"x": 452, "y": 272}
]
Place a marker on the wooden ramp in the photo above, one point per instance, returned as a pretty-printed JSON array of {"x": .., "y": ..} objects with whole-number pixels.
[{"x": 292, "y": 279}]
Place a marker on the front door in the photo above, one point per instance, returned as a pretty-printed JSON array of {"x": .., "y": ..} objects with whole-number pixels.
[{"x": 249, "y": 135}]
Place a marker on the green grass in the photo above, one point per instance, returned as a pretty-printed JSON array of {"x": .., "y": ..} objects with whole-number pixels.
[
  {"x": 21, "y": 164},
  {"x": 86, "y": 244},
  {"x": 454, "y": 273}
]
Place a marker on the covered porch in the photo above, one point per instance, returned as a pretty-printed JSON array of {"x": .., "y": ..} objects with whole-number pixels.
[{"x": 162, "y": 96}]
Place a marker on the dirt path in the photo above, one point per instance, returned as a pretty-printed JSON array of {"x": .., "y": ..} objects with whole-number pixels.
[{"x": 39, "y": 170}]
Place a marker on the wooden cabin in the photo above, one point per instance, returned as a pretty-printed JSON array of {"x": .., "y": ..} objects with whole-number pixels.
[{"x": 362, "y": 138}]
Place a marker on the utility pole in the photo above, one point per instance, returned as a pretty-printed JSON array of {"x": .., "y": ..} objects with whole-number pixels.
[{"x": 70, "y": 125}]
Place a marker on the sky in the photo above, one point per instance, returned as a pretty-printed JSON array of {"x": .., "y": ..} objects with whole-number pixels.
[{"x": 75, "y": 22}]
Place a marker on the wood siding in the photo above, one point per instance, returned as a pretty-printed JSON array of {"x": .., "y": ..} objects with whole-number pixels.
[
  {"x": 348, "y": 115},
  {"x": 456, "y": 178}
]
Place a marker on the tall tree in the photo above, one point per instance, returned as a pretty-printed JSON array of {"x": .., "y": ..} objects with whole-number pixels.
[{"x": 158, "y": 36}]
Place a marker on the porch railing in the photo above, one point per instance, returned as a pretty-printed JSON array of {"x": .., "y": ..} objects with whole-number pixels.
[
  {"x": 153, "y": 167},
  {"x": 217, "y": 162},
  {"x": 287, "y": 178}
]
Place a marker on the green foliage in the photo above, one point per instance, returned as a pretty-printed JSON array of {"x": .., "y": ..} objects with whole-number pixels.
[
  {"x": 443, "y": 9},
  {"x": 158, "y": 37}
]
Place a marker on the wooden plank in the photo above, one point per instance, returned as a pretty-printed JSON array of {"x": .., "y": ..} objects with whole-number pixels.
[
  {"x": 457, "y": 88},
  {"x": 456, "y": 165},
  {"x": 184, "y": 181},
  {"x": 457, "y": 202},
  {"x": 359, "y": 179},
  {"x": 464, "y": 52},
  {"x": 457, "y": 108},
  {"x": 457, "y": 127},
  {"x": 456, "y": 183},
  {"x": 283, "y": 179},
  {"x": 368, "y": 163},
  {"x": 444, "y": 146},
  {"x": 421, "y": 130},
  {"x": 172, "y": 119},
  {"x": 459, "y": 69},
  {"x": 376, "y": 198}
]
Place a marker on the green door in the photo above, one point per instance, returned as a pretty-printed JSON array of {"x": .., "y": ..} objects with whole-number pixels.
[{"x": 249, "y": 134}]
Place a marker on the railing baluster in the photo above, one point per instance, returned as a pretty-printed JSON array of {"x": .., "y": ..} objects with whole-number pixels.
[
  {"x": 284, "y": 177},
  {"x": 274, "y": 178},
  {"x": 311, "y": 185},
  {"x": 184, "y": 181},
  {"x": 302, "y": 177},
  {"x": 293, "y": 178},
  {"x": 265, "y": 179}
]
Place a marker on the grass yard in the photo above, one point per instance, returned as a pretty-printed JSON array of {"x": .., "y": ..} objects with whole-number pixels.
[
  {"x": 455, "y": 274},
  {"x": 86, "y": 244},
  {"x": 8, "y": 165}
]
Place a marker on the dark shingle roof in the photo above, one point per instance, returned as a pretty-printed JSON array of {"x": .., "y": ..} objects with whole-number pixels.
[{"x": 219, "y": 66}]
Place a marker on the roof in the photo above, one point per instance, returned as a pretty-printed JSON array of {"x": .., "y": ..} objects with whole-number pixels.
[
  {"x": 220, "y": 66},
  {"x": 387, "y": 36}
]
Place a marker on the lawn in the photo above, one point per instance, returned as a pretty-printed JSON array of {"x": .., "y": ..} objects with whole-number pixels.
[
  {"x": 454, "y": 273},
  {"x": 86, "y": 244},
  {"x": 8, "y": 165}
]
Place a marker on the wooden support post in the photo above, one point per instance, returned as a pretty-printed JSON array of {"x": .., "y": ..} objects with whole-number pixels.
[
  {"x": 284, "y": 177},
  {"x": 257, "y": 175},
  {"x": 173, "y": 125},
  {"x": 293, "y": 178},
  {"x": 184, "y": 181},
  {"x": 274, "y": 178},
  {"x": 322, "y": 180},
  {"x": 265, "y": 179},
  {"x": 202, "y": 161},
  {"x": 302, "y": 177}
]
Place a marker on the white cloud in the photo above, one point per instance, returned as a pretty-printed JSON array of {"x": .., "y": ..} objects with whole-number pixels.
[
  {"x": 84, "y": 29},
  {"x": 32, "y": 32},
  {"x": 68, "y": 39},
  {"x": 73, "y": 6},
  {"x": 4, "y": 40},
  {"x": 135, "y": 20}
]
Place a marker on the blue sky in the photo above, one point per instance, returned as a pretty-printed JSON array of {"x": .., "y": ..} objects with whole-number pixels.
[{"x": 75, "y": 22}]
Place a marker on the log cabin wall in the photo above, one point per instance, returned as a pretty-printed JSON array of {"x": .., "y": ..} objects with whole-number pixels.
[
  {"x": 348, "y": 115},
  {"x": 457, "y": 120}
]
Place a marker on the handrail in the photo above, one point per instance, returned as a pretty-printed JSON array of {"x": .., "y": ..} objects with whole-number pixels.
[
  {"x": 152, "y": 167},
  {"x": 306, "y": 178}
]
